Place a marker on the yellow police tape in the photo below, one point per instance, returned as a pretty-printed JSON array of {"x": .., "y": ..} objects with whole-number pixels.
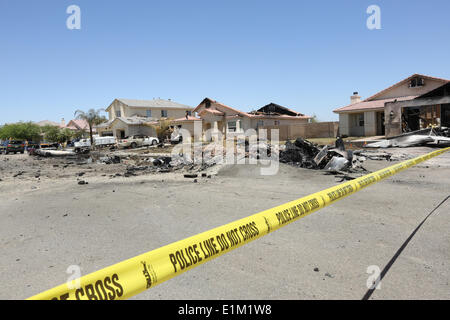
[{"x": 131, "y": 277}]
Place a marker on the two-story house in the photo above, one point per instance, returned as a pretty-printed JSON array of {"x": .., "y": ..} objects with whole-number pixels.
[{"x": 129, "y": 117}]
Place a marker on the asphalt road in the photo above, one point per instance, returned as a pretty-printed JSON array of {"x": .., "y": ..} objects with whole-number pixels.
[{"x": 50, "y": 225}]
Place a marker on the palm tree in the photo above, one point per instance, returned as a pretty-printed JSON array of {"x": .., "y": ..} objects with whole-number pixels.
[{"x": 92, "y": 117}]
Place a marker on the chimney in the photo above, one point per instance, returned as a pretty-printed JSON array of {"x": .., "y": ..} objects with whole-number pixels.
[
  {"x": 63, "y": 123},
  {"x": 355, "y": 98}
]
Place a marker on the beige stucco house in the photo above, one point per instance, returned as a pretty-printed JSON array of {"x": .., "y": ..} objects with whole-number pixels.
[
  {"x": 215, "y": 117},
  {"x": 369, "y": 117},
  {"x": 129, "y": 117},
  {"x": 78, "y": 125}
]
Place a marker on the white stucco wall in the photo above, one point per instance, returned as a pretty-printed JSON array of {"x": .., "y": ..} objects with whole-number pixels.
[
  {"x": 344, "y": 124},
  {"x": 156, "y": 112},
  {"x": 370, "y": 123},
  {"x": 131, "y": 130}
]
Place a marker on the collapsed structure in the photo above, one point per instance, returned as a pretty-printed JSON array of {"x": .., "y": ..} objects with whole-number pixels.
[
  {"x": 430, "y": 136},
  {"x": 431, "y": 109},
  {"x": 217, "y": 119},
  {"x": 305, "y": 154},
  {"x": 414, "y": 103}
]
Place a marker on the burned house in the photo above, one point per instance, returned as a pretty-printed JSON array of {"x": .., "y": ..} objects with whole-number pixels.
[
  {"x": 214, "y": 117},
  {"x": 381, "y": 114},
  {"x": 431, "y": 109},
  {"x": 276, "y": 110}
]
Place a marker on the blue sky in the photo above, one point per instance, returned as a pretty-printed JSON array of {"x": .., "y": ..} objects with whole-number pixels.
[{"x": 307, "y": 55}]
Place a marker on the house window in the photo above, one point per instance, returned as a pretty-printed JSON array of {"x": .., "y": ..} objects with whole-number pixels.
[
  {"x": 277, "y": 122},
  {"x": 118, "y": 114},
  {"x": 232, "y": 126},
  {"x": 359, "y": 119},
  {"x": 416, "y": 82},
  {"x": 260, "y": 123},
  {"x": 149, "y": 113},
  {"x": 208, "y": 104},
  {"x": 164, "y": 113}
]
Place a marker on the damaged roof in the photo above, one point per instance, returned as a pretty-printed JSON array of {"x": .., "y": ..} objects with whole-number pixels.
[
  {"x": 441, "y": 91},
  {"x": 405, "y": 81},
  {"x": 284, "y": 113},
  {"x": 276, "y": 109},
  {"x": 372, "y": 103}
]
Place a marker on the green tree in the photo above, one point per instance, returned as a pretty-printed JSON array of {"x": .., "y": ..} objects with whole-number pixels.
[
  {"x": 92, "y": 117},
  {"x": 78, "y": 134},
  {"x": 56, "y": 134},
  {"x": 65, "y": 135},
  {"x": 162, "y": 129},
  {"x": 47, "y": 128},
  {"x": 314, "y": 119},
  {"x": 22, "y": 131},
  {"x": 51, "y": 133}
]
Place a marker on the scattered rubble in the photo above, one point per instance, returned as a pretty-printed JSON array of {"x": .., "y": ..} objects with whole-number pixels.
[
  {"x": 332, "y": 159},
  {"x": 53, "y": 153},
  {"x": 109, "y": 160},
  {"x": 344, "y": 164},
  {"x": 432, "y": 136},
  {"x": 381, "y": 155},
  {"x": 18, "y": 174},
  {"x": 337, "y": 164},
  {"x": 305, "y": 154},
  {"x": 300, "y": 153},
  {"x": 162, "y": 161}
]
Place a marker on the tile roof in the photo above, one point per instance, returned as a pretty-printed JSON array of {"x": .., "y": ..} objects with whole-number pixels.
[
  {"x": 104, "y": 124},
  {"x": 155, "y": 103},
  {"x": 370, "y": 105},
  {"x": 44, "y": 123},
  {"x": 222, "y": 105},
  {"x": 134, "y": 120},
  {"x": 127, "y": 120},
  {"x": 213, "y": 111},
  {"x": 246, "y": 114},
  {"x": 78, "y": 123},
  {"x": 189, "y": 118}
]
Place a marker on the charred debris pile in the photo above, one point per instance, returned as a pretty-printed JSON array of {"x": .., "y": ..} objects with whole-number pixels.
[
  {"x": 346, "y": 164},
  {"x": 305, "y": 154}
]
